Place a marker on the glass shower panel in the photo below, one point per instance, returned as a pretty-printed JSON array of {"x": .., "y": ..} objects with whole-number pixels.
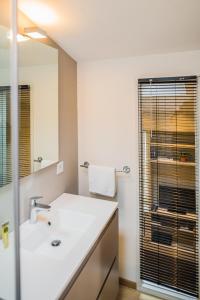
[{"x": 7, "y": 237}]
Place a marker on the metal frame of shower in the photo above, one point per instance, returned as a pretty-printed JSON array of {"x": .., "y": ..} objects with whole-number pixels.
[{"x": 15, "y": 145}]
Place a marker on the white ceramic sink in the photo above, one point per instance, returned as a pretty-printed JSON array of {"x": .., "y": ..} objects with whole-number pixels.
[
  {"x": 78, "y": 222},
  {"x": 67, "y": 226}
]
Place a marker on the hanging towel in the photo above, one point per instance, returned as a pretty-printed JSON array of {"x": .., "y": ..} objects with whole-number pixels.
[{"x": 102, "y": 180}]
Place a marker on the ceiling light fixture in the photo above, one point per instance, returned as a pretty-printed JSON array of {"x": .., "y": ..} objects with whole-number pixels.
[
  {"x": 20, "y": 37},
  {"x": 35, "y": 33}
]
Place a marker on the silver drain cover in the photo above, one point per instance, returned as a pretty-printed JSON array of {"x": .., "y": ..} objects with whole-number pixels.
[{"x": 56, "y": 243}]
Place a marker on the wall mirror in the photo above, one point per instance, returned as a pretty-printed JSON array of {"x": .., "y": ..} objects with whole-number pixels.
[{"x": 38, "y": 106}]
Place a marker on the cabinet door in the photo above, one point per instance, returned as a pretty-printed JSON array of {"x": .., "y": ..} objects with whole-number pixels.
[
  {"x": 91, "y": 279},
  {"x": 111, "y": 286}
]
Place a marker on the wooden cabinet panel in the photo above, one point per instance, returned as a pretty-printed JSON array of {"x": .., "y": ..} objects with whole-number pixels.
[
  {"x": 91, "y": 279},
  {"x": 111, "y": 287}
]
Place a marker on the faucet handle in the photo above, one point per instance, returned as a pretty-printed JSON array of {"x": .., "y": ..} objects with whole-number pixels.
[{"x": 33, "y": 200}]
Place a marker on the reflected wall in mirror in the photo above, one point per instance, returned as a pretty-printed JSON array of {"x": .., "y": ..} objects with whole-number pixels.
[
  {"x": 38, "y": 78},
  {"x": 38, "y": 111}
]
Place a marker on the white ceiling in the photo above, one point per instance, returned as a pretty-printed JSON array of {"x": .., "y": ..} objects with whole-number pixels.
[{"x": 98, "y": 29}]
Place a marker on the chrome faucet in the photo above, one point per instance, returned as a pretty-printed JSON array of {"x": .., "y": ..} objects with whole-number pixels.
[{"x": 36, "y": 207}]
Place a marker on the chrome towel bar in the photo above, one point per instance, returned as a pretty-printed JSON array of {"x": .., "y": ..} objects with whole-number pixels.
[{"x": 126, "y": 169}]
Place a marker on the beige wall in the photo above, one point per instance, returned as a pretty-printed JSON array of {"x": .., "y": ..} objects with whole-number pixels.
[{"x": 108, "y": 131}]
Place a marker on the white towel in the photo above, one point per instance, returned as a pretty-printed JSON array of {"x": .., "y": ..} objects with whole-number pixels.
[{"x": 102, "y": 180}]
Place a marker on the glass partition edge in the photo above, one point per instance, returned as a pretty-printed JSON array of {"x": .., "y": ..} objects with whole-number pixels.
[{"x": 15, "y": 145}]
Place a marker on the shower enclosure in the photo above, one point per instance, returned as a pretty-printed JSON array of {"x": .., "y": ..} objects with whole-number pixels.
[{"x": 9, "y": 214}]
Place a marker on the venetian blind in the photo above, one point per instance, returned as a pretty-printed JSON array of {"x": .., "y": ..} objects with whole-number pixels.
[{"x": 168, "y": 183}]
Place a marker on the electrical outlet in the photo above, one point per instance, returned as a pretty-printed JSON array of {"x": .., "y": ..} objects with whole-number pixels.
[{"x": 60, "y": 167}]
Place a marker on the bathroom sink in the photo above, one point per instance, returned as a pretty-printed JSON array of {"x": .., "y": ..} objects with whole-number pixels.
[
  {"x": 76, "y": 221},
  {"x": 57, "y": 240}
]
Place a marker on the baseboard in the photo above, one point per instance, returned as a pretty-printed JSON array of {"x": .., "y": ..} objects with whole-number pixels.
[{"x": 128, "y": 283}]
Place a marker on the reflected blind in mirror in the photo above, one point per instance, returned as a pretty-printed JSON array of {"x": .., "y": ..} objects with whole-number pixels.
[
  {"x": 25, "y": 131},
  {"x": 5, "y": 134},
  {"x": 5, "y": 137},
  {"x": 168, "y": 183}
]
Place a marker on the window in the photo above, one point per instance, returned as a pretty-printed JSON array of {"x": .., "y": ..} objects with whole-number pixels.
[{"x": 168, "y": 183}]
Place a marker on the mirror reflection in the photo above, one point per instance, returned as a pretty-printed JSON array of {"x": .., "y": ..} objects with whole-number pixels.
[
  {"x": 38, "y": 101},
  {"x": 5, "y": 126}
]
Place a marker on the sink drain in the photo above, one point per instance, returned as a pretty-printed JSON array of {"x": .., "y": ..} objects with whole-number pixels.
[{"x": 56, "y": 243}]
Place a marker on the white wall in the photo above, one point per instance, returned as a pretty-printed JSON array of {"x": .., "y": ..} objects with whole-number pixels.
[{"x": 108, "y": 131}]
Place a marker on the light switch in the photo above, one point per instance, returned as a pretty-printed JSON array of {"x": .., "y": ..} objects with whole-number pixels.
[{"x": 60, "y": 167}]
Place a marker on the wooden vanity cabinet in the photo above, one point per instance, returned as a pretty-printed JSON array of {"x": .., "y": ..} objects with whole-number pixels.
[{"x": 98, "y": 276}]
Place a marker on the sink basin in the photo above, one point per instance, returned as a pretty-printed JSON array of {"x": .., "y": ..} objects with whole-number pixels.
[{"x": 67, "y": 227}]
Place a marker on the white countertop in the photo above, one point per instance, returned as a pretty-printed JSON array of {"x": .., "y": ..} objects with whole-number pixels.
[{"x": 44, "y": 278}]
